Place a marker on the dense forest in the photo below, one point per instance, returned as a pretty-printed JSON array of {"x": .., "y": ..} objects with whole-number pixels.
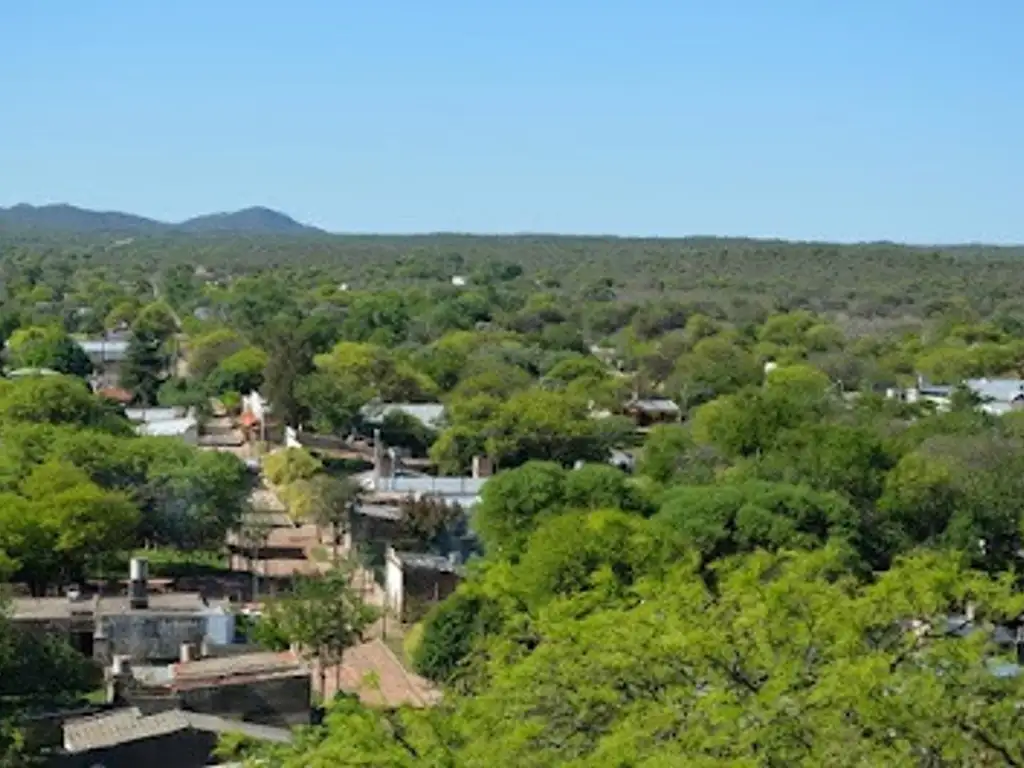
[{"x": 800, "y": 569}]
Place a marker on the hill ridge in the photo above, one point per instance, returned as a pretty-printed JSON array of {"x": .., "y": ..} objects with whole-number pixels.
[{"x": 64, "y": 217}]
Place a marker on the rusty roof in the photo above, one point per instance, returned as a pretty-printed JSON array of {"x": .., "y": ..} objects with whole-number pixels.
[{"x": 232, "y": 668}]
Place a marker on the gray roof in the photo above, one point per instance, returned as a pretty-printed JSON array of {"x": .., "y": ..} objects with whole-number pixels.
[
  {"x": 107, "y": 350},
  {"x": 32, "y": 372},
  {"x": 120, "y": 727},
  {"x": 167, "y": 427},
  {"x": 429, "y": 414},
  {"x": 259, "y": 664},
  {"x": 654, "y": 405},
  {"x": 998, "y": 390},
  {"x": 52, "y": 608},
  {"x": 380, "y": 511},
  {"x": 126, "y": 725},
  {"x": 426, "y": 561},
  {"x": 427, "y": 485},
  {"x": 150, "y": 415}
]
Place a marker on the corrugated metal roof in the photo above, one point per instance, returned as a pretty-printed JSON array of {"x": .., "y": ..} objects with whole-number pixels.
[
  {"x": 127, "y": 725},
  {"x": 654, "y": 405},
  {"x": 151, "y": 415},
  {"x": 168, "y": 427},
  {"x": 106, "y": 349},
  {"x": 999, "y": 390},
  {"x": 247, "y": 665},
  {"x": 430, "y": 414},
  {"x": 120, "y": 727},
  {"x": 428, "y": 562}
]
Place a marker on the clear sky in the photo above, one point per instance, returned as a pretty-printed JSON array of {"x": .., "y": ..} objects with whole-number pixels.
[{"x": 874, "y": 119}]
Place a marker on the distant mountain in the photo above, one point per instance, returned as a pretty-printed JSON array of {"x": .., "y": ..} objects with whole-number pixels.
[
  {"x": 257, "y": 221},
  {"x": 68, "y": 218}
]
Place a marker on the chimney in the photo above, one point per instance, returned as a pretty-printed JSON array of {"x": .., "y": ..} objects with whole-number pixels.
[
  {"x": 138, "y": 588},
  {"x": 188, "y": 653},
  {"x": 482, "y": 467},
  {"x": 120, "y": 678}
]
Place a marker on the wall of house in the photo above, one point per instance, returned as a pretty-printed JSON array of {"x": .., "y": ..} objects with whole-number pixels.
[
  {"x": 423, "y": 589},
  {"x": 278, "y": 701},
  {"x": 152, "y": 637},
  {"x": 394, "y": 585}
]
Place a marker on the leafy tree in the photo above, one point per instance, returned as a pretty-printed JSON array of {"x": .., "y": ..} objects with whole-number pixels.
[
  {"x": 323, "y": 615},
  {"x": 290, "y": 465},
  {"x": 289, "y": 358},
  {"x": 513, "y": 502},
  {"x": 47, "y": 347},
  {"x": 726, "y": 519},
  {"x": 145, "y": 367},
  {"x": 240, "y": 372}
]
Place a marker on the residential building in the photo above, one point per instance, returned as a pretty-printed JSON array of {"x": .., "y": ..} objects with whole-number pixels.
[
  {"x": 647, "y": 412},
  {"x": 415, "y": 580},
  {"x": 142, "y": 626},
  {"x": 128, "y": 738},
  {"x": 247, "y": 685}
]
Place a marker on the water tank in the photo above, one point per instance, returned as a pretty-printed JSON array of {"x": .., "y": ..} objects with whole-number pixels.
[{"x": 220, "y": 627}]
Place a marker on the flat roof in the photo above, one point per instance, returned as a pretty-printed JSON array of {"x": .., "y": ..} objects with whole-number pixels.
[
  {"x": 248, "y": 665},
  {"x": 49, "y": 608}
]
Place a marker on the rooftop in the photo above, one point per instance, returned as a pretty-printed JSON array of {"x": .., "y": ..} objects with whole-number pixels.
[
  {"x": 426, "y": 561},
  {"x": 127, "y": 725},
  {"x": 654, "y": 405},
  {"x": 105, "y": 349},
  {"x": 150, "y": 415},
  {"x": 423, "y": 484},
  {"x": 167, "y": 427},
  {"x": 248, "y": 666},
  {"x": 53, "y": 608},
  {"x": 1000, "y": 390},
  {"x": 430, "y": 414}
]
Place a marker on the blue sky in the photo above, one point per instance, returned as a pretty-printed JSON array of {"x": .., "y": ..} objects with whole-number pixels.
[{"x": 877, "y": 119}]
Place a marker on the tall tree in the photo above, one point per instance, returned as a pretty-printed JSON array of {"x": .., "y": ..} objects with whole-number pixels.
[
  {"x": 289, "y": 358},
  {"x": 323, "y": 616}
]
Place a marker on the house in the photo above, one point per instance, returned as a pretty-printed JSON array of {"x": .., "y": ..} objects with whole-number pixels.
[
  {"x": 429, "y": 414},
  {"x": 165, "y": 422},
  {"x": 647, "y": 412},
  {"x": 106, "y": 354},
  {"x": 998, "y": 396},
  {"x": 388, "y": 482},
  {"x": 459, "y": 281},
  {"x": 416, "y": 580},
  {"x": 128, "y": 738},
  {"x": 253, "y": 686},
  {"x": 143, "y": 627}
]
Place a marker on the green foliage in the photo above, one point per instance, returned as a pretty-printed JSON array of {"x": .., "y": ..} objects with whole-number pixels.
[
  {"x": 47, "y": 347},
  {"x": 290, "y": 465}
]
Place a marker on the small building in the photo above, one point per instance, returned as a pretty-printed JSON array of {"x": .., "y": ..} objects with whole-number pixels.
[
  {"x": 415, "y": 580},
  {"x": 998, "y": 396},
  {"x": 143, "y": 627},
  {"x": 261, "y": 687},
  {"x": 388, "y": 483},
  {"x": 649, "y": 411},
  {"x": 106, "y": 354},
  {"x": 128, "y": 738}
]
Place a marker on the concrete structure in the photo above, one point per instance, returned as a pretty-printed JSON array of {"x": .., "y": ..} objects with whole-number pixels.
[
  {"x": 253, "y": 686},
  {"x": 388, "y": 482},
  {"x": 646, "y": 412},
  {"x": 140, "y": 626},
  {"x": 128, "y": 738},
  {"x": 414, "y": 581}
]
